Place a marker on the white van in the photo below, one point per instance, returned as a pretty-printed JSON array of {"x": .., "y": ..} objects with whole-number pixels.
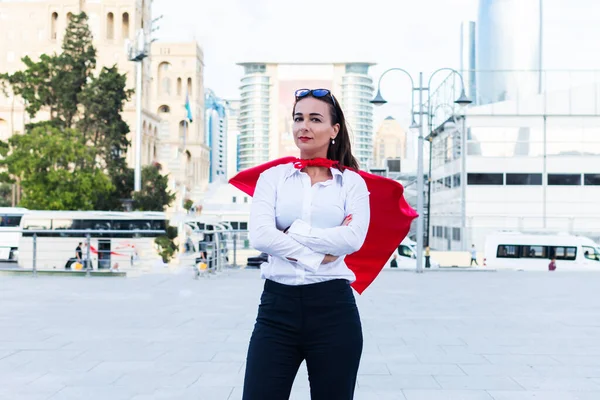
[
  {"x": 515, "y": 250},
  {"x": 406, "y": 256}
]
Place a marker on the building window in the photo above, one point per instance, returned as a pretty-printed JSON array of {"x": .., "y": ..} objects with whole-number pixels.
[
  {"x": 456, "y": 180},
  {"x": 189, "y": 86},
  {"x": 164, "y": 109},
  {"x": 110, "y": 26},
  {"x": 564, "y": 179},
  {"x": 125, "y": 26},
  {"x": 456, "y": 234},
  {"x": 485, "y": 179},
  {"x": 234, "y": 199},
  {"x": 53, "y": 23},
  {"x": 166, "y": 85},
  {"x": 245, "y": 199},
  {"x": 448, "y": 182},
  {"x": 178, "y": 86},
  {"x": 591, "y": 179},
  {"x": 523, "y": 179}
]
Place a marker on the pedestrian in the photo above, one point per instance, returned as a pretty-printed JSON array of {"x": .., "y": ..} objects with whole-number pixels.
[
  {"x": 308, "y": 216},
  {"x": 552, "y": 265},
  {"x": 394, "y": 263},
  {"x": 79, "y": 253},
  {"x": 473, "y": 255}
]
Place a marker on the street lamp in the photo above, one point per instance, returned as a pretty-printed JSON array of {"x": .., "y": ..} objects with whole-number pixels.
[
  {"x": 379, "y": 100},
  {"x": 136, "y": 52}
]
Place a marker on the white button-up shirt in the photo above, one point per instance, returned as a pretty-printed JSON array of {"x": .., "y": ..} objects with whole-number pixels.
[{"x": 284, "y": 198}]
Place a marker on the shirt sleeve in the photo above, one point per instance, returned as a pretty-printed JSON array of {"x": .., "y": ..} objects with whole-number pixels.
[
  {"x": 341, "y": 240},
  {"x": 264, "y": 235}
]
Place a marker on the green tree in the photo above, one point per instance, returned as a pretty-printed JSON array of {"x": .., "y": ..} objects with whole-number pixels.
[
  {"x": 85, "y": 109},
  {"x": 5, "y": 195},
  {"x": 46, "y": 160},
  {"x": 154, "y": 194}
]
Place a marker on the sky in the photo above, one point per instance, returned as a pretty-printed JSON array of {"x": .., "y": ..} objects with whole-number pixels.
[{"x": 417, "y": 35}]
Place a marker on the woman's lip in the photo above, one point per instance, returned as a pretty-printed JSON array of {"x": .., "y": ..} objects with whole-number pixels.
[{"x": 304, "y": 138}]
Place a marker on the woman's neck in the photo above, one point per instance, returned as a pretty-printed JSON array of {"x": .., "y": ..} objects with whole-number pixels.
[{"x": 311, "y": 156}]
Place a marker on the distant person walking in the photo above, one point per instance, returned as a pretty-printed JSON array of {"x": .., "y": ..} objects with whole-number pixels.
[
  {"x": 552, "y": 265},
  {"x": 473, "y": 255},
  {"x": 79, "y": 253},
  {"x": 394, "y": 263}
]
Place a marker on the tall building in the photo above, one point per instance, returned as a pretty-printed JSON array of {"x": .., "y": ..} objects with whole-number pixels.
[
  {"x": 508, "y": 49},
  {"x": 468, "y": 54},
  {"x": 267, "y": 97},
  {"x": 216, "y": 132},
  {"x": 178, "y": 71},
  {"x": 390, "y": 142},
  {"x": 233, "y": 135}
]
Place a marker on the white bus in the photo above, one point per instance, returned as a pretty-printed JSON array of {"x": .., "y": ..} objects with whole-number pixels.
[
  {"x": 515, "y": 250},
  {"x": 10, "y": 232},
  {"x": 58, "y": 234}
]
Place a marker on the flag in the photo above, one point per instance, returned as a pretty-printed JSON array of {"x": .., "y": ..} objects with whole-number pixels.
[{"x": 188, "y": 107}]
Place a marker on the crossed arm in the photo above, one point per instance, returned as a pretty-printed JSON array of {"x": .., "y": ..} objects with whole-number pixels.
[
  {"x": 340, "y": 240},
  {"x": 264, "y": 235}
]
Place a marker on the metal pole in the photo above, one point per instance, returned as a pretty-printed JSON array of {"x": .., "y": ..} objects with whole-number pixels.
[
  {"x": 429, "y": 191},
  {"x": 87, "y": 258},
  {"x": 235, "y": 250},
  {"x": 429, "y": 180},
  {"x": 544, "y": 176},
  {"x": 420, "y": 183},
  {"x": 463, "y": 184},
  {"x": 34, "y": 270},
  {"x": 138, "y": 130}
]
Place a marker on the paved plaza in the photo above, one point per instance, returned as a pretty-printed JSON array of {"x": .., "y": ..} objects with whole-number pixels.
[{"x": 434, "y": 336}]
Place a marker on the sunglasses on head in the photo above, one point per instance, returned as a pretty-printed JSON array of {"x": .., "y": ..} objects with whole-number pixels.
[{"x": 301, "y": 93}]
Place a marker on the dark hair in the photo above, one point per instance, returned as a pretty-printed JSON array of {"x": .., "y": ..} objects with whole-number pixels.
[{"x": 341, "y": 150}]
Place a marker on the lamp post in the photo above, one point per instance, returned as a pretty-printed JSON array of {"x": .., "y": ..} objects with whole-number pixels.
[
  {"x": 379, "y": 100},
  {"x": 136, "y": 52}
]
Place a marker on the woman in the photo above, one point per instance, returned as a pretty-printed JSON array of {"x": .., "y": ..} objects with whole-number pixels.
[{"x": 308, "y": 216}]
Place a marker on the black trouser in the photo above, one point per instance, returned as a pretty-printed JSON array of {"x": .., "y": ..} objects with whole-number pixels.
[{"x": 318, "y": 323}]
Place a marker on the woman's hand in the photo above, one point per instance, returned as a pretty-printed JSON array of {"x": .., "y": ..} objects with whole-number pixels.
[
  {"x": 347, "y": 220},
  {"x": 328, "y": 259}
]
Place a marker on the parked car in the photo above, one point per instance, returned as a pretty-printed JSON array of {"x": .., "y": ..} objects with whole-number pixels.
[{"x": 255, "y": 262}]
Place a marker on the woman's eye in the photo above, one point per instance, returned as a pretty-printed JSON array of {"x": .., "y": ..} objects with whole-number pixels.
[
  {"x": 316, "y": 120},
  {"x": 297, "y": 119}
]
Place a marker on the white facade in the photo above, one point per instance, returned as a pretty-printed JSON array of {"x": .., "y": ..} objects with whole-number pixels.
[{"x": 537, "y": 170}]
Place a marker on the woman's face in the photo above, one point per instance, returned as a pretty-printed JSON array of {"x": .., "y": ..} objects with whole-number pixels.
[{"x": 312, "y": 127}]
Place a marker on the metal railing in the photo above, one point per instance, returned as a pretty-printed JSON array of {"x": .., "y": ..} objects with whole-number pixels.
[{"x": 47, "y": 250}]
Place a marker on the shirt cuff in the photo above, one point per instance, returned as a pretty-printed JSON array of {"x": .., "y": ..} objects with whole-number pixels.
[
  {"x": 311, "y": 261},
  {"x": 300, "y": 228}
]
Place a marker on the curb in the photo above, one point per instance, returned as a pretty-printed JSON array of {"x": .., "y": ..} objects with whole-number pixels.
[{"x": 20, "y": 271}]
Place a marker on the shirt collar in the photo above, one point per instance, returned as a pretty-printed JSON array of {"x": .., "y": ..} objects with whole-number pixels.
[{"x": 293, "y": 170}]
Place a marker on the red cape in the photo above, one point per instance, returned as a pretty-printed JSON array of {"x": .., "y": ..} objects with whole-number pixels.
[{"x": 390, "y": 220}]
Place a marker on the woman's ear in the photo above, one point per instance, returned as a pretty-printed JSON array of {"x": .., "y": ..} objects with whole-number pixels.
[{"x": 336, "y": 129}]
